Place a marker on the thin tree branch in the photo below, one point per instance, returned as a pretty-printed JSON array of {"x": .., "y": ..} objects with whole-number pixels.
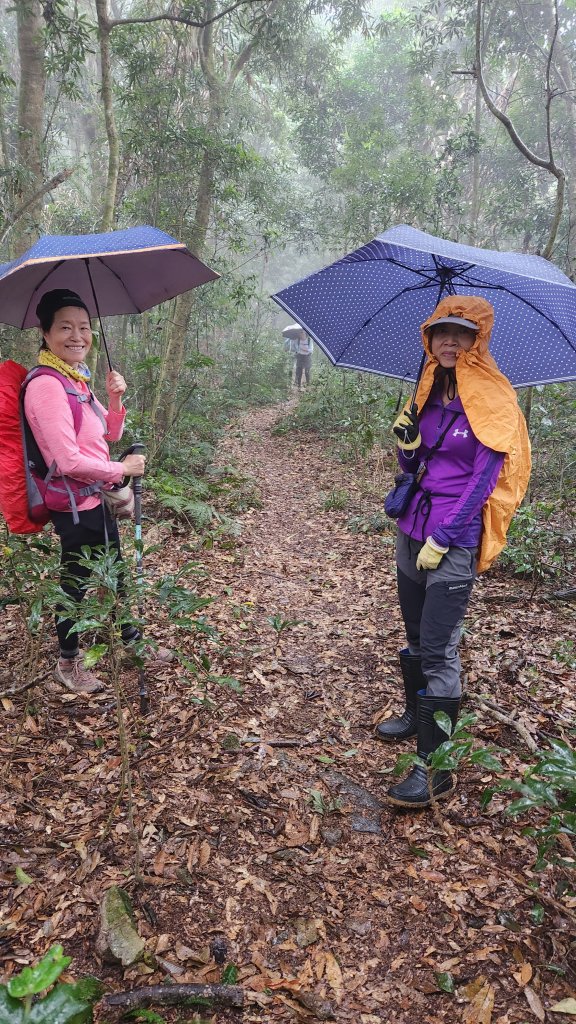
[
  {"x": 248, "y": 50},
  {"x": 506, "y": 720},
  {"x": 12, "y": 691},
  {"x": 48, "y": 186},
  {"x": 546, "y": 164},
  {"x": 180, "y": 18},
  {"x": 539, "y": 161}
]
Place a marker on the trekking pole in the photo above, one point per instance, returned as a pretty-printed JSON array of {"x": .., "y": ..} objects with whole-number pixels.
[{"x": 138, "y": 449}]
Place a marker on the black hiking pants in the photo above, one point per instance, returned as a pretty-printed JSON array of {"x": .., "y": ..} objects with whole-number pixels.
[{"x": 73, "y": 576}]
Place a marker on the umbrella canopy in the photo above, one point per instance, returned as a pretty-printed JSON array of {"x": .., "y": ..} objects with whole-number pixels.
[
  {"x": 114, "y": 272},
  {"x": 292, "y": 331},
  {"x": 366, "y": 309}
]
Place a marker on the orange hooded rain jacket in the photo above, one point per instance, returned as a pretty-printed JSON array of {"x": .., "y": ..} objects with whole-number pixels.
[{"x": 491, "y": 405}]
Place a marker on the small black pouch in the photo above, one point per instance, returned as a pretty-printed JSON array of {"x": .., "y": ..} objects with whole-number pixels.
[{"x": 397, "y": 501}]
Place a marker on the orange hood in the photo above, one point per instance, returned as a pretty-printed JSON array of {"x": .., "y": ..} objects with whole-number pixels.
[{"x": 491, "y": 405}]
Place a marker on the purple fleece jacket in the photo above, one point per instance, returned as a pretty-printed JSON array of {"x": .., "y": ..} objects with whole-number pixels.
[{"x": 459, "y": 479}]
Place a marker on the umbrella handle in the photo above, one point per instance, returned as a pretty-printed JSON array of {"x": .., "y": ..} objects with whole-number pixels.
[
  {"x": 103, "y": 334},
  {"x": 413, "y": 406}
]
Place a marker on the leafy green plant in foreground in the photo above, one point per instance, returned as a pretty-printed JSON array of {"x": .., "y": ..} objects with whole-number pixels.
[
  {"x": 455, "y": 753},
  {"x": 548, "y": 786},
  {"x": 35, "y": 996}
]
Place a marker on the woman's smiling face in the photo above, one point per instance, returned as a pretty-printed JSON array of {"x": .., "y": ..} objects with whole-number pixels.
[
  {"x": 70, "y": 336},
  {"x": 448, "y": 340}
]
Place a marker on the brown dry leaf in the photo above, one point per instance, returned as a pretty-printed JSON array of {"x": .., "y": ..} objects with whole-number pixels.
[
  {"x": 334, "y": 975},
  {"x": 524, "y": 975},
  {"x": 160, "y": 862},
  {"x": 535, "y": 1003},
  {"x": 480, "y": 1009},
  {"x": 204, "y": 854},
  {"x": 447, "y": 965},
  {"x": 314, "y": 827},
  {"x": 288, "y": 984},
  {"x": 184, "y": 952},
  {"x": 163, "y": 943},
  {"x": 260, "y": 885}
]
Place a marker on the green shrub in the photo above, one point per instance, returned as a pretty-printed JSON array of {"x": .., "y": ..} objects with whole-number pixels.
[
  {"x": 539, "y": 543},
  {"x": 549, "y": 786},
  {"x": 353, "y": 410},
  {"x": 336, "y": 500},
  {"x": 375, "y": 522}
]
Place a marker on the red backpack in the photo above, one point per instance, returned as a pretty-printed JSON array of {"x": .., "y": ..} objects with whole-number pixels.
[{"x": 29, "y": 489}]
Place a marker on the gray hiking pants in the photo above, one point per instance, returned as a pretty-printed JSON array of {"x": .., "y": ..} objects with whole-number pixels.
[
  {"x": 433, "y": 603},
  {"x": 303, "y": 364}
]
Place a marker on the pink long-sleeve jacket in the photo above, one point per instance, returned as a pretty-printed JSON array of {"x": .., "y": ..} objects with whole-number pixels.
[{"x": 83, "y": 456}]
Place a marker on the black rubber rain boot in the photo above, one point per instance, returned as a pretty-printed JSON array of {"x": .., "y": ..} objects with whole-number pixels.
[
  {"x": 414, "y": 791},
  {"x": 395, "y": 729}
]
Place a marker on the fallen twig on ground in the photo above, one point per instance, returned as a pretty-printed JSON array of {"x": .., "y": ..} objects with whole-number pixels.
[
  {"x": 177, "y": 995},
  {"x": 14, "y": 690},
  {"x": 506, "y": 720}
]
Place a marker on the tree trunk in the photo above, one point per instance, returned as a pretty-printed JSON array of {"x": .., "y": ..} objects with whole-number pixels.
[
  {"x": 219, "y": 88},
  {"x": 567, "y": 83},
  {"x": 475, "y": 197},
  {"x": 109, "y": 202},
  {"x": 167, "y": 394},
  {"x": 30, "y": 121},
  {"x": 30, "y": 133}
]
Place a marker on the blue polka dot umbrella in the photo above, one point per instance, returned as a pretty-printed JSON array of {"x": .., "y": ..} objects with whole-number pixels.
[
  {"x": 113, "y": 272},
  {"x": 365, "y": 310}
]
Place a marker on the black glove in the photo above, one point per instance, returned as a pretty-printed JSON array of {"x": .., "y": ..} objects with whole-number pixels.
[{"x": 407, "y": 429}]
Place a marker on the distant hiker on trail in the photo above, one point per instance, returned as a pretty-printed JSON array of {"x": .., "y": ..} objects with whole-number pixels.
[
  {"x": 299, "y": 345},
  {"x": 303, "y": 352},
  {"x": 468, "y": 432},
  {"x": 82, "y": 455}
]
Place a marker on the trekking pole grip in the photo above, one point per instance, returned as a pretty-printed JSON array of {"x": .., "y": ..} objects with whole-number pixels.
[{"x": 137, "y": 449}]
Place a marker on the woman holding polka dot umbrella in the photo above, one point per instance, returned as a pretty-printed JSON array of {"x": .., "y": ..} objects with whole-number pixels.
[
  {"x": 466, "y": 439},
  {"x": 462, "y": 428},
  {"x": 365, "y": 310}
]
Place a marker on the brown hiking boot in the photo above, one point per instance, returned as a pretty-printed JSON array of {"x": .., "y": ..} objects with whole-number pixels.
[{"x": 74, "y": 675}]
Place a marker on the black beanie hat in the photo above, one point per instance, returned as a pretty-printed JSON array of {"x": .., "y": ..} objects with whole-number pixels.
[{"x": 57, "y": 299}]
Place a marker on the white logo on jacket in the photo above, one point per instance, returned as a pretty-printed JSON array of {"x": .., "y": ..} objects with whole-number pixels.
[{"x": 460, "y": 433}]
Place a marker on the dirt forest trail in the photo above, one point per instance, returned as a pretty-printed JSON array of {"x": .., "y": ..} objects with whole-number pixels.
[
  {"x": 258, "y": 780},
  {"x": 368, "y": 907}
]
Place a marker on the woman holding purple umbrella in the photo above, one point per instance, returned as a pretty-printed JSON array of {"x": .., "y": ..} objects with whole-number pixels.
[{"x": 82, "y": 456}]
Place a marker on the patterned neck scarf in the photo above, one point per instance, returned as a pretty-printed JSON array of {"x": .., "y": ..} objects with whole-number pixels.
[{"x": 47, "y": 358}]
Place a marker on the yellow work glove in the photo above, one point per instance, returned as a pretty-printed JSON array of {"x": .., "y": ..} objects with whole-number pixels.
[
  {"x": 430, "y": 555},
  {"x": 407, "y": 429}
]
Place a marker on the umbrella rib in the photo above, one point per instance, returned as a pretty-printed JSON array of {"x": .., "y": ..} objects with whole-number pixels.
[
  {"x": 414, "y": 288},
  {"x": 35, "y": 291},
  {"x": 500, "y": 288}
]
